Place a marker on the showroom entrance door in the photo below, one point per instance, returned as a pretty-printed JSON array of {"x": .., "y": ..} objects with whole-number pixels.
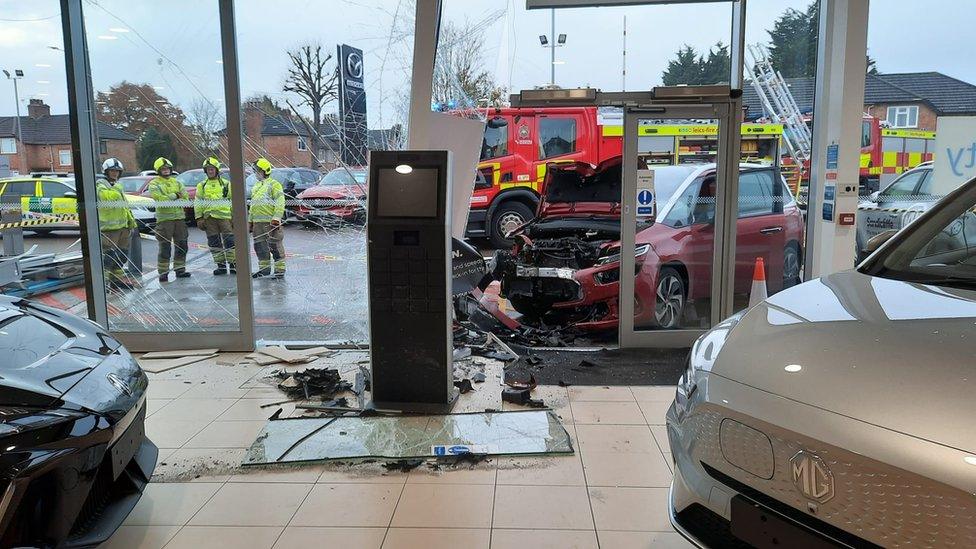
[{"x": 678, "y": 221}]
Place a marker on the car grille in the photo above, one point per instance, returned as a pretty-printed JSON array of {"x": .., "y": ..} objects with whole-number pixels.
[
  {"x": 708, "y": 527},
  {"x": 885, "y": 505}
]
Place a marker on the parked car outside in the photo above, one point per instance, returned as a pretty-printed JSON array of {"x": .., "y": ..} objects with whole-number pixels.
[
  {"x": 564, "y": 268},
  {"x": 787, "y": 424},
  {"x": 339, "y": 196},
  {"x": 75, "y": 457},
  {"x": 893, "y": 207}
]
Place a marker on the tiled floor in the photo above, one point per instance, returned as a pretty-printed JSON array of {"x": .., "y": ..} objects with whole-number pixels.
[{"x": 612, "y": 493}]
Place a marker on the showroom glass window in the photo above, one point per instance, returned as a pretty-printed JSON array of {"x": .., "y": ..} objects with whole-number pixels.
[{"x": 557, "y": 136}]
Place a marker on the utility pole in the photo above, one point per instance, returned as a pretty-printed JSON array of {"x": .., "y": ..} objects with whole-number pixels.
[
  {"x": 18, "y": 74},
  {"x": 555, "y": 42},
  {"x": 623, "y": 76}
]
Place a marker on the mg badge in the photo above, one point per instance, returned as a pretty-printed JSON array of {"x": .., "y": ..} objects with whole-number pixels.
[
  {"x": 119, "y": 384},
  {"x": 812, "y": 477}
]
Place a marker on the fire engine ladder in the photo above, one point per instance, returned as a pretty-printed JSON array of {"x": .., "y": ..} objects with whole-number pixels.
[{"x": 779, "y": 105}]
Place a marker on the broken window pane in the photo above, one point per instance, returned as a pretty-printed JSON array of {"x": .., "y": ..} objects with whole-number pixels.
[{"x": 395, "y": 437}]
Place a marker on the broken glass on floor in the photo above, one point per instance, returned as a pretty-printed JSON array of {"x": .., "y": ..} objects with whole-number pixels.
[{"x": 291, "y": 440}]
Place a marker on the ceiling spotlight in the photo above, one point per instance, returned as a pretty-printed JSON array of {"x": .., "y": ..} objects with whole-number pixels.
[
  {"x": 793, "y": 368},
  {"x": 107, "y": 37},
  {"x": 404, "y": 168},
  {"x": 118, "y": 29}
]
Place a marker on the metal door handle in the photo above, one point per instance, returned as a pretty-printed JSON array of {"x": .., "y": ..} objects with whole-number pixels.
[{"x": 771, "y": 230}]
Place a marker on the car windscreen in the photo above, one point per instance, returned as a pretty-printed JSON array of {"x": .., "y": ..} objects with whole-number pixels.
[
  {"x": 132, "y": 184},
  {"x": 939, "y": 249},
  {"x": 26, "y": 339},
  {"x": 191, "y": 178},
  {"x": 342, "y": 176}
]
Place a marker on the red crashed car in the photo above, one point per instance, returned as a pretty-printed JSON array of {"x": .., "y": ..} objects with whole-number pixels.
[
  {"x": 339, "y": 196},
  {"x": 564, "y": 267}
]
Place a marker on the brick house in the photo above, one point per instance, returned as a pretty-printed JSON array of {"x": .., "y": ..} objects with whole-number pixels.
[
  {"x": 286, "y": 141},
  {"x": 47, "y": 141},
  {"x": 904, "y": 100}
]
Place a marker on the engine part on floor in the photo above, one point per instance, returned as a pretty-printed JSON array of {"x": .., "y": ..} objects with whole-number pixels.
[
  {"x": 312, "y": 382},
  {"x": 516, "y": 384},
  {"x": 464, "y": 386}
]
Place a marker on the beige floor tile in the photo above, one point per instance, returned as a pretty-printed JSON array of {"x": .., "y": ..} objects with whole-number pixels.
[
  {"x": 660, "y": 433},
  {"x": 364, "y": 473},
  {"x": 301, "y": 474},
  {"x": 154, "y": 405},
  {"x": 542, "y": 507},
  {"x": 238, "y": 537},
  {"x": 172, "y": 434},
  {"x": 544, "y": 539},
  {"x": 444, "y": 506},
  {"x": 639, "y": 509},
  {"x": 140, "y": 537},
  {"x": 307, "y": 537},
  {"x": 170, "y": 503},
  {"x": 607, "y": 413},
  {"x": 199, "y": 465},
  {"x": 250, "y": 409},
  {"x": 483, "y": 473},
  {"x": 227, "y": 434},
  {"x": 643, "y": 540},
  {"x": 653, "y": 393},
  {"x": 541, "y": 471},
  {"x": 436, "y": 538},
  {"x": 167, "y": 388},
  {"x": 601, "y": 394},
  {"x": 655, "y": 411},
  {"x": 349, "y": 505},
  {"x": 615, "y": 438},
  {"x": 625, "y": 469},
  {"x": 216, "y": 390},
  {"x": 265, "y": 393},
  {"x": 194, "y": 409},
  {"x": 252, "y": 504}
]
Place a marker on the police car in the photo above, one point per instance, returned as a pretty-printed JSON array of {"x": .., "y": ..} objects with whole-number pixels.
[
  {"x": 894, "y": 206},
  {"x": 41, "y": 197}
]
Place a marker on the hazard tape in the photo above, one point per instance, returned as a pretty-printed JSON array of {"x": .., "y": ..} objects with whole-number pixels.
[{"x": 43, "y": 221}]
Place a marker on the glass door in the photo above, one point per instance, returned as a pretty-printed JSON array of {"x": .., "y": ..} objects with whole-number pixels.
[{"x": 678, "y": 184}]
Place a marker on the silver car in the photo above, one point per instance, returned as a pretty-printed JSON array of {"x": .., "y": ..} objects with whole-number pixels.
[
  {"x": 895, "y": 206},
  {"x": 840, "y": 412}
]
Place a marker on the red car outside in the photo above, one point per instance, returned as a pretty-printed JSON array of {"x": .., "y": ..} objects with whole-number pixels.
[
  {"x": 564, "y": 268},
  {"x": 339, "y": 195}
]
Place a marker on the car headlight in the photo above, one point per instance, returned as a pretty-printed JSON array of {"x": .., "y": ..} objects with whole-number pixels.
[
  {"x": 614, "y": 257},
  {"x": 17, "y": 419}
]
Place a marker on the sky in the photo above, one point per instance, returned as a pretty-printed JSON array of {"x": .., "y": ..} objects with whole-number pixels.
[{"x": 175, "y": 45}]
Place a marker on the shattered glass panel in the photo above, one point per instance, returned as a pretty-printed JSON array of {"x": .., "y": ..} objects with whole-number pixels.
[{"x": 395, "y": 437}]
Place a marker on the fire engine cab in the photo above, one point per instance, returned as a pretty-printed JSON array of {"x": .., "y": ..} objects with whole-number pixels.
[{"x": 519, "y": 143}]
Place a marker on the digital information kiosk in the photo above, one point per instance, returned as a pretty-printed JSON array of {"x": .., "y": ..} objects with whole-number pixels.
[{"x": 409, "y": 271}]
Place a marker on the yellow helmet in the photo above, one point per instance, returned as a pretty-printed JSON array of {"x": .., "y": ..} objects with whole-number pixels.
[
  {"x": 161, "y": 163},
  {"x": 263, "y": 165},
  {"x": 211, "y": 162}
]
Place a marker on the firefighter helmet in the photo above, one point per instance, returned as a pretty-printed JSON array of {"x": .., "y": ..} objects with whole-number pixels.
[
  {"x": 161, "y": 163},
  {"x": 263, "y": 165},
  {"x": 112, "y": 164},
  {"x": 211, "y": 162}
]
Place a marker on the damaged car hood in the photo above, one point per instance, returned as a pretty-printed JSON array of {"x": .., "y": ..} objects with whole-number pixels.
[
  {"x": 579, "y": 188},
  {"x": 865, "y": 347},
  {"x": 333, "y": 191}
]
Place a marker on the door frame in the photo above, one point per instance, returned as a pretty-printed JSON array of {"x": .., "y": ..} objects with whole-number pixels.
[{"x": 725, "y": 111}]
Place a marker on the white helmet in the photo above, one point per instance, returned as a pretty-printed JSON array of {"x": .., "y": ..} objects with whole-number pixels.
[{"x": 112, "y": 164}]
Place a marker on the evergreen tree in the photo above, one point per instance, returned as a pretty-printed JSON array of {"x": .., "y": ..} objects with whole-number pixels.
[
  {"x": 793, "y": 48},
  {"x": 683, "y": 69},
  {"x": 152, "y": 145},
  {"x": 717, "y": 68}
]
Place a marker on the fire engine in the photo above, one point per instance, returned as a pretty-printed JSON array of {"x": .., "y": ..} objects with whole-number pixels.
[{"x": 519, "y": 143}]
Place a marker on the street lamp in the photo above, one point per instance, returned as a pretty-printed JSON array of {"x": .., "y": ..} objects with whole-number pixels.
[
  {"x": 17, "y": 75},
  {"x": 558, "y": 42}
]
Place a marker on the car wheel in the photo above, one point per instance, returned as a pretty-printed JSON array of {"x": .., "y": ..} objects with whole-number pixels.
[
  {"x": 507, "y": 217},
  {"x": 670, "y": 299},
  {"x": 791, "y": 266}
]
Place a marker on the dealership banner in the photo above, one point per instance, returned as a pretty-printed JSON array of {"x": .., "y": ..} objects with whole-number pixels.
[
  {"x": 352, "y": 105},
  {"x": 955, "y": 153}
]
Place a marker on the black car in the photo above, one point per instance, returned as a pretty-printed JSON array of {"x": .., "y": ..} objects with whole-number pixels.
[{"x": 74, "y": 457}]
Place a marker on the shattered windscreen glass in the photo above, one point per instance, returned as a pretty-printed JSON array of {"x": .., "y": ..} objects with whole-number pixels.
[{"x": 395, "y": 437}]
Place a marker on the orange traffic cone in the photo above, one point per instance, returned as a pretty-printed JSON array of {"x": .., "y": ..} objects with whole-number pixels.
[{"x": 758, "y": 292}]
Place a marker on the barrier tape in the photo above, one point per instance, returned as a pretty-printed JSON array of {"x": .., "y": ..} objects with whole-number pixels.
[
  {"x": 42, "y": 221},
  {"x": 147, "y": 205}
]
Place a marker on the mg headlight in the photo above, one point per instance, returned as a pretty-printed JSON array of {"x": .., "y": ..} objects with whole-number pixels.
[{"x": 614, "y": 256}]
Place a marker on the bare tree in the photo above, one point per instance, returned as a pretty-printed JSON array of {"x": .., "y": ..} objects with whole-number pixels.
[
  {"x": 315, "y": 79},
  {"x": 206, "y": 119},
  {"x": 460, "y": 74}
]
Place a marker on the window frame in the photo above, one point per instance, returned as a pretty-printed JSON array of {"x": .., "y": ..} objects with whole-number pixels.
[
  {"x": 46, "y": 184},
  {"x": 302, "y": 145},
  {"x": 61, "y": 157},
  {"x": 770, "y": 189},
  {"x": 5, "y": 141},
  {"x": 922, "y": 174},
  {"x": 575, "y": 143},
  {"x": 504, "y": 147},
  {"x": 908, "y": 111},
  {"x": 103, "y": 146}
]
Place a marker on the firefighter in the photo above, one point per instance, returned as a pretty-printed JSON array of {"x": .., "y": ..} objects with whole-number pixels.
[
  {"x": 211, "y": 208},
  {"x": 115, "y": 222},
  {"x": 170, "y": 220},
  {"x": 264, "y": 216}
]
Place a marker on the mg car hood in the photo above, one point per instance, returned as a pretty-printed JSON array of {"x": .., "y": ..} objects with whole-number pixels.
[{"x": 894, "y": 354}]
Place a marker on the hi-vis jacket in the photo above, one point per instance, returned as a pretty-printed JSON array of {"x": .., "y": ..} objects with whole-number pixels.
[
  {"x": 113, "y": 208},
  {"x": 168, "y": 189},
  {"x": 267, "y": 201},
  {"x": 212, "y": 199}
]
